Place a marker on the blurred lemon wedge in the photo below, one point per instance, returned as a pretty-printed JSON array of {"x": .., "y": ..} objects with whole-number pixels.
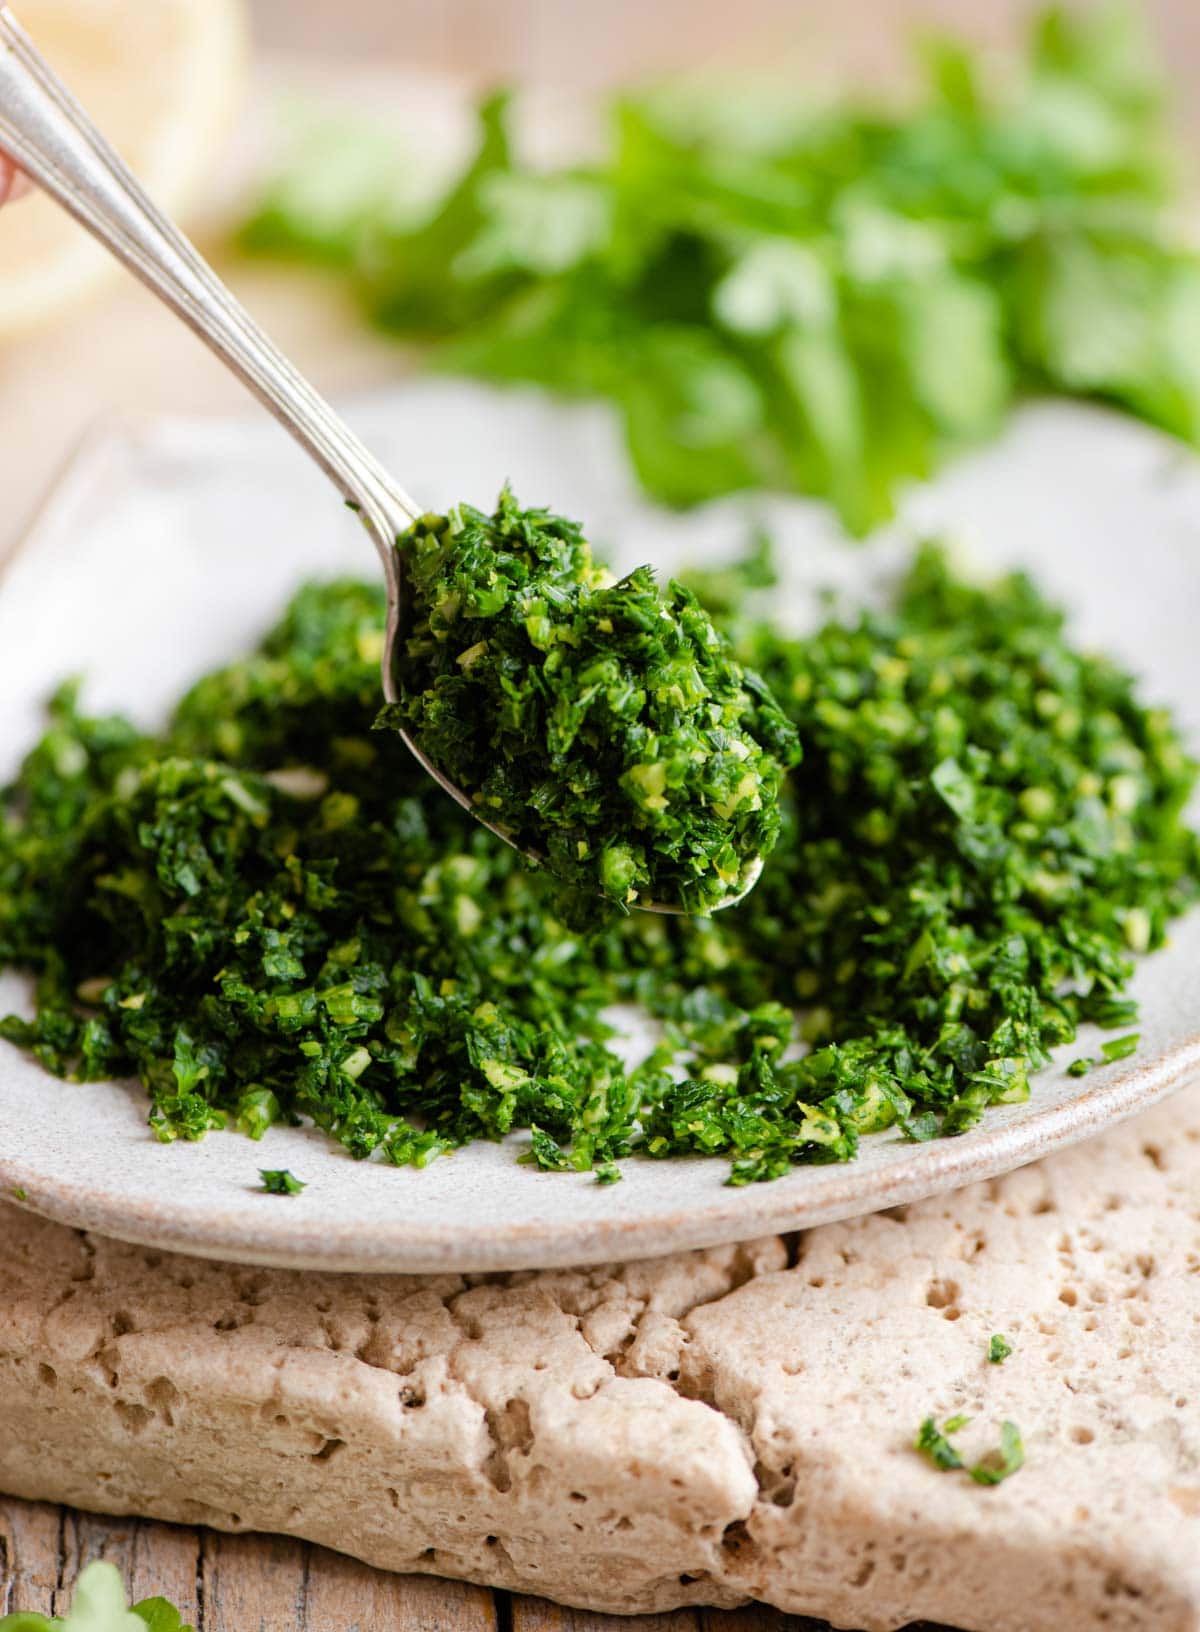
[{"x": 161, "y": 79}]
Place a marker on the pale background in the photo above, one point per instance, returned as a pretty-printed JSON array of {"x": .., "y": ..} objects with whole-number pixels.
[
  {"x": 593, "y": 43},
  {"x": 125, "y": 355}
]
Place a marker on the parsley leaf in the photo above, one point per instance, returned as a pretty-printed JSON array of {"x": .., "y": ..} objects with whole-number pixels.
[
  {"x": 932, "y": 1442},
  {"x": 992, "y": 1469},
  {"x": 279, "y": 1182},
  {"x": 1120, "y": 1048},
  {"x": 160, "y": 1616},
  {"x": 999, "y": 1464},
  {"x": 999, "y": 1348},
  {"x": 1117, "y": 1048}
]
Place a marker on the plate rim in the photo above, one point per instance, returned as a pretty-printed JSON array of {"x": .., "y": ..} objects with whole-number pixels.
[{"x": 282, "y": 1242}]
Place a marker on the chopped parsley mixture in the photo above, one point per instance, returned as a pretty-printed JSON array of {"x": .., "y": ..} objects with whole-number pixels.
[
  {"x": 603, "y": 725},
  {"x": 270, "y": 912}
]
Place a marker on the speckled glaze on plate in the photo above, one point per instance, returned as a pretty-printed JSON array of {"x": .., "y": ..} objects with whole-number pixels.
[{"x": 167, "y": 549}]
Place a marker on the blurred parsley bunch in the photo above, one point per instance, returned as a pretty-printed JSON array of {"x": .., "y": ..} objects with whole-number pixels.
[{"x": 798, "y": 296}]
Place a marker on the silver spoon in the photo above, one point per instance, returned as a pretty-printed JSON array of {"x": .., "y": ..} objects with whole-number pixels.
[{"x": 52, "y": 139}]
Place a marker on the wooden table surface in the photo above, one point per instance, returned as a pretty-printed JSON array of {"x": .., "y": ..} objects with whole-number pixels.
[{"x": 272, "y": 1584}]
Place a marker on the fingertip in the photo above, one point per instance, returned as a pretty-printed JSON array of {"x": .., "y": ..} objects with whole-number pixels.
[{"x": 12, "y": 183}]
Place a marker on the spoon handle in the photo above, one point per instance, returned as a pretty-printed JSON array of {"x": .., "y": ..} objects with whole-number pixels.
[{"x": 52, "y": 139}]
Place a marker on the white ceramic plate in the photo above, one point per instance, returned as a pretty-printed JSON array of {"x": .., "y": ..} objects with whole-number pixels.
[{"x": 168, "y": 549}]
